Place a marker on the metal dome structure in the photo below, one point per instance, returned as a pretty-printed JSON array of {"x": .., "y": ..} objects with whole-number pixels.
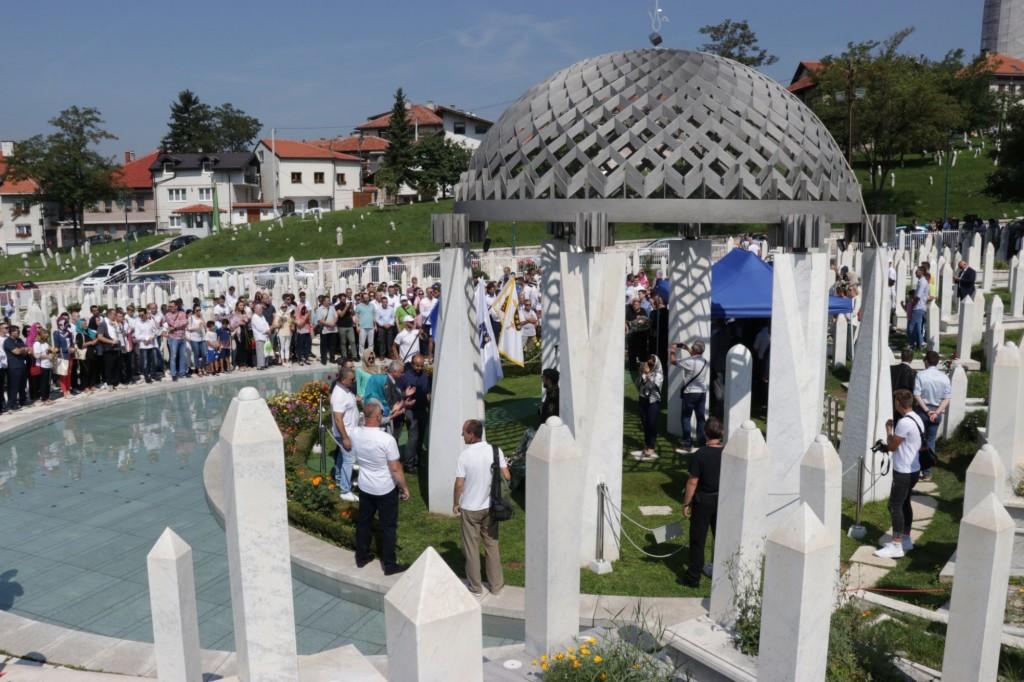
[{"x": 664, "y": 136}]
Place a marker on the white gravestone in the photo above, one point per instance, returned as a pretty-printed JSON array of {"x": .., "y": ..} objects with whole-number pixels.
[
  {"x": 989, "y": 264},
  {"x": 172, "y": 603},
  {"x": 1017, "y": 295},
  {"x": 978, "y": 604},
  {"x": 554, "y": 477},
  {"x": 994, "y": 334},
  {"x": 974, "y": 252},
  {"x": 966, "y": 335},
  {"x": 934, "y": 320},
  {"x": 433, "y": 624},
  {"x": 985, "y": 476},
  {"x": 798, "y": 360},
  {"x": 690, "y": 313},
  {"x": 740, "y": 532},
  {"x": 947, "y": 291},
  {"x": 551, "y": 295},
  {"x": 457, "y": 379},
  {"x": 957, "y": 408},
  {"x": 256, "y": 525},
  {"x": 821, "y": 487},
  {"x": 795, "y": 614},
  {"x": 1004, "y": 417},
  {"x": 739, "y": 367},
  {"x": 841, "y": 340},
  {"x": 591, "y": 341}
]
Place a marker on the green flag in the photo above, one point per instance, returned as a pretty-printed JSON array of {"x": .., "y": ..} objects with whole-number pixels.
[{"x": 216, "y": 210}]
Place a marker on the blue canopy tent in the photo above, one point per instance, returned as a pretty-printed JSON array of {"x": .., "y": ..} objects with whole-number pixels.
[{"x": 741, "y": 288}]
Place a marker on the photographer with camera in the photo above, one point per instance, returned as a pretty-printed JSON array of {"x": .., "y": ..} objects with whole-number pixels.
[
  {"x": 904, "y": 441},
  {"x": 649, "y": 384}
]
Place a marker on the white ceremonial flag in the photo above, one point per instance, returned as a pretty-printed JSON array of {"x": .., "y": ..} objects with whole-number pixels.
[
  {"x": 490, "y": 363},
  {"x": 506, "y": 306}
]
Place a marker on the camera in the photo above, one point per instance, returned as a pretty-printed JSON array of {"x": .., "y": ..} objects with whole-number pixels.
[{"x": 879, "y": 446}]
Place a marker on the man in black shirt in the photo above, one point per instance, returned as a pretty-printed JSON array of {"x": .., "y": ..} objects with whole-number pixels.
[
  {"x": 965, "y": 279},
  {"x": 902, "y": 376},
  {"x": 700, "y": 504},
  {"x": 346, "y": 329},
  {"x": 17, "y": 368}
]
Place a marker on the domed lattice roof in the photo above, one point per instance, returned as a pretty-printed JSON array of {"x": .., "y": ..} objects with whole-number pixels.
[{"x": 658, "y": 136}]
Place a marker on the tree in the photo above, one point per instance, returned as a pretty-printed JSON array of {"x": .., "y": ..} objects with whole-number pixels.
[
  {"x": 399, "y": 159},
  {"x": 439, "y": 163},
  {"x": 968, "y": 84},
  {"x": 67, "y": 170},
  {"x": 904, "y": 108},
  {"x": 196, "y": 127},
  {"x": 1007, "y": 182},
  {"x": 192, "y": 126},
  {"x": 735, "y": 40}
]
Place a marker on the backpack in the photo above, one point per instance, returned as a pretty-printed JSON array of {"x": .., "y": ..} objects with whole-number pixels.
[{"x": 501, "y": 508}]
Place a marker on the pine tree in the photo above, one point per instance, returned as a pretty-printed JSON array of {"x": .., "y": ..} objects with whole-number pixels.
[
  {"x": 400, "y": 158},
  {"x": 191, "y": 128}
]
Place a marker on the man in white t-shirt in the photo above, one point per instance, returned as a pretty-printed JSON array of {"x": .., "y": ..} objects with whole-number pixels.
[
  {"x": 472, "y": 501},
  {"x": 904, "y": 442},
  {"x": 345, "y": 418},
  {"x": 381, "y": 486},
  {"x": 407, "y": 343}
]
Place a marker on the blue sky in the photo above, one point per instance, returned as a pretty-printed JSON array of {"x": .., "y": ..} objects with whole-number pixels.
[{"x": 318, "y": 63}]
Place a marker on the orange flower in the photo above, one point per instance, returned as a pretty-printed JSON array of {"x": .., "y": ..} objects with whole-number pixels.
[{"x": 317, "y": 480}]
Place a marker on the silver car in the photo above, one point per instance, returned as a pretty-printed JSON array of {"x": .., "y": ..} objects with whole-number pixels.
[{"x": 274, "y": 273}]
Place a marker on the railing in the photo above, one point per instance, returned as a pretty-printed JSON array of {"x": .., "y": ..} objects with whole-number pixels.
[
  {"x": 832, "y": 424},
  {"x": 950, "y": 238}
]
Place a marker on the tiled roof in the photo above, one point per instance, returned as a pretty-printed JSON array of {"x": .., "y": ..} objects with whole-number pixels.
[
  {"x": 290, "y": 149},
  {"x": 417, "y": 114},
  {"x": 194, "y": 161},
  {"x": 1005, "y": 65},
  {"x": 353, "y": 144},
  {"x": 198, "y": 208},
  {"x": 12, "y": 187},
  {"x": 136, "y": 174},
  {"x": 803, "y": 78}
]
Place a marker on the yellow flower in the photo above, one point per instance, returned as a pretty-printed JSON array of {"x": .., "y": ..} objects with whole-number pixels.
[
  {"x": 544, "y": 666},
  {"x": 560, "y": 657},
  {"x": 544, "y": 658},
  {"x": 533, "y": 662},
  {"x": 598, "y": 660},
  {"x": 572, "y": 658},
  {"x": 317, "y": 480},
  {"x": 576, "y": 665},
  {"x": 636, "y": 666},
  {"x": 571, "y": 650},
  {"x": 602, "y": 677},
  {"x": 584, "y": 651},
  {"x": 591, "y": 640}
]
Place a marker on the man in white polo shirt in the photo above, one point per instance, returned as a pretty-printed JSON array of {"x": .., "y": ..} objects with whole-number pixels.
[
  {"x": 345, "y": 418},
  {"x": 472, "y": 501},
  {"x": 381, "y": 486}
]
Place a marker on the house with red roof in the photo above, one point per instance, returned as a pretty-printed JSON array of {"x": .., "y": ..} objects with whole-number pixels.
[
  {"x": 133, "y": 209},
  {"x": 298, "y": 176},
  {"x": 802, "y": 82},
  {"x": 461, "y": 126},
  {"x": 1007, "y": 74},
  {"x": 187, "y": 186},
  {"x": 370, "y": 150},
  {"x": 25, "y": 226}
]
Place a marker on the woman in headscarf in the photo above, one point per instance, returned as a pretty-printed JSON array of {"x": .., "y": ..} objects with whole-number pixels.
[
  {"x": 649, "y": 383},
  {"x": 64, "y": 341}
]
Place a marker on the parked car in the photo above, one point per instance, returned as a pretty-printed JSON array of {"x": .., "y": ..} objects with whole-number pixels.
[
  {"x": 183, "y": 240},
  {"x": 275, "y": 272},
  {"x": 432, "y": 269},
  {"x": 147, "y": 256},
  {"x": 219, "y": 274},
  {"x": 657, "y": 248},
  {"x": 912, "y": 229},
  {"x": 18, "y": 285},
  {"x": 158, "y": 279},
  {"x": 392, "y": 270},
  {"x": 112, "y": 273},
  {"x": 101, "y": 238}
]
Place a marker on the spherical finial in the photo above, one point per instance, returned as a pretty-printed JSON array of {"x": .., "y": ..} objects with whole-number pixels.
[
  {"x": 749, "y": 425},
  {"x": 554, "y": 422},
  {"x": 249, "y": 393}
]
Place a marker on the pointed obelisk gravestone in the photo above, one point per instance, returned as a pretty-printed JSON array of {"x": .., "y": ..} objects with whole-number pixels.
[
  {"x": 985, "y": 475},
  {"x": 256, "y": 525},
  {"x": 821, "y": 487},
  {"x": 966, "y": 335},
  {"x": 433, "y": 624},
  {"x": 934, "y": 319},
  {"x": 690, "y": 319},
  {"x": 994, "y": 335},
  {"x": 989, "y": 267},
  {"x": 1017, "y": 292},
  {"x": 739, "y": 536},
  {"x": 172, "y": 603},
  {"x": 554, "y": 478},
  {"x": 978, "y": 604},
  {"x": 739, "y": 367},
  {"x": 957, "y": 408},
  {"x": 1004, "y": 400},
  {"x": 841, "y": 339}
]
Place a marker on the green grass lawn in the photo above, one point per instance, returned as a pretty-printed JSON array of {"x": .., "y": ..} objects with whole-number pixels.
[
  {"x": 12, "y": 267},
  {"x": 371, "y": 236},
  {"x": 914, "y": 196},
  {"x": 511, "y": 407}
]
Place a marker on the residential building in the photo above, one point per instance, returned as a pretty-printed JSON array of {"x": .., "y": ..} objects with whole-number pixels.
[
  {"x": 134, "y": 210},
  {"x": 1007, "y": 75},
  {"x": 1002, "y": 28},
  {"x": 370, "y": 151},
  {"x": 431, "y": 119},
  {"x": 803, "y": 80},
  {"x": 300, "y": 176},
  {"x": 184, "y": 187},
  {"x": 25, "y": 226}
]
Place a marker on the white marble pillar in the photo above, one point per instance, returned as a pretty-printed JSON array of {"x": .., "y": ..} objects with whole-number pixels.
[
  {"x": 821, "y": 487},
  {"x": 591, "y": 341},
  {"x": 739, "y": 367},
  {"x": 841, "y": 340},
  {"x": 551, "y": 295},
  {"x": 974, "y": 253},
  {"x": 966, "y": 335},
  {"x": 795, "y": 613},
  {"x": 457, "y": 387},
  {"x": 1004, "y": 416},
  {"x": 1017, "y": 290},
  {"x": 957, "y": 408},
  {"x": 988, "y": 273},
  {"x": 978, "y": 604},
  {"x": 433, "y": 624},
  {"x": 934, "y": 319},
  {"x": 869, "y": 399},
  {"x": 739, "y": 537},
  {"x": 947, "y": 292},
  {"x": 172, "y": 603},
  {"x": 985, "y": 476},
  {"x": 901, "y": 293},
  {"x": 690, "y": 313},
  {"x": 994, "y": 335},
  {"x": 798, "y": 361},
  {"x": 554, "y": 486},
  {"x": 256, "y": 525}
]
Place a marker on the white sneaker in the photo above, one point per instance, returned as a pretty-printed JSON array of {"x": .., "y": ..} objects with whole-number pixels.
[
  {"x": 352, "y": 497},
  {"x": 892, "y": 550},
  {"x": 908, "y": 544}
]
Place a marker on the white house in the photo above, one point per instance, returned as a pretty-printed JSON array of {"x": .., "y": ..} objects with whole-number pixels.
[
  {"x": 25, "y": 226},
  {"x": 298, "y": 176},
  {"x": 185, "y": 185},
  {"x": 430, "y": 119}
]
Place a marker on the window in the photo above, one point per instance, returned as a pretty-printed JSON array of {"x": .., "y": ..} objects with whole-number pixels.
[
  {"x": 23, "y": 230},
  {"x": 108, "y": 206},
  {"x": 168, "y": 167},
  {"x": 176, "y": 194},
  {"x": 459, "y": 127},
  {"x": 260, "y": 155},
  {"x": 296, "y": 178},
  {"x": 340, "y": 179},
  {"x": 481, "y": 128},
  {"x": 318, "y": 178},
  {"x": 140, "y": 204},
  {"x": 207, "y": 167},
  {"x": 176, "y": 221},
  {"x": 205, "y": 194}
]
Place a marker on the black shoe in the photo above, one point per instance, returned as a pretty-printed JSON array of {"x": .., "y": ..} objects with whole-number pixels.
[
  {"x": 397, "y": 568},
  {"x": 362, "y": 562},
  {"x": 687, "y": 581},
  {"x": 148, "y": 380}
]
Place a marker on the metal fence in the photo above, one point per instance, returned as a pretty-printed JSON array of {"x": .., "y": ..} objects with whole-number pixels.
[{"x": 832, "y": 424}]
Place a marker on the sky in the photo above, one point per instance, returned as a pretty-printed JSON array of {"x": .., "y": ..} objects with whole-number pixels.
[{"x": 314, "y": 68}]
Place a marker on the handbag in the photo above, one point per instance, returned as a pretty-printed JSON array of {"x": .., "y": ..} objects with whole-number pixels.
[
  {"x": 501, "y": 508},
  {"x": 63, "y": 366}
]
